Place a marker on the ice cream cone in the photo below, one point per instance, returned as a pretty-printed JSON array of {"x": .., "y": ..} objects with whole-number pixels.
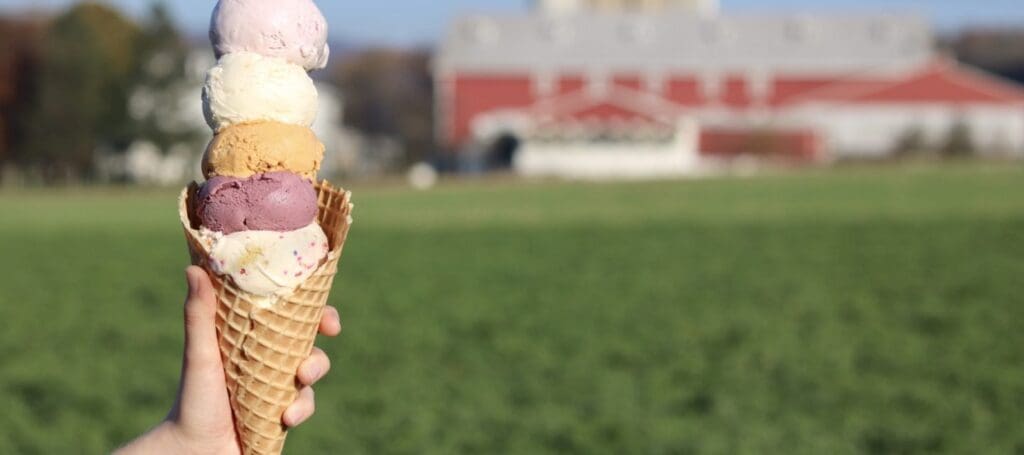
[{"x": 262, "y": 345}]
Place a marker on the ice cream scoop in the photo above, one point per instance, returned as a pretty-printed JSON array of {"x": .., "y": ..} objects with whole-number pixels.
[
  {"x": 278, "y": 201},
  {"x": 294, "y": 30},
  {"x": 256, "y": 148},
  {"x": 246, "y": 87},
  {"x": 266, "y": 263}
]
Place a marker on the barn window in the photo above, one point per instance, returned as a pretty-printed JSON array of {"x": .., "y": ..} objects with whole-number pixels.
[
  {"x": 556, "y": 31},
  {"x": 481, "y": 31},
  {"x": 637, "y": 32},
  {"x": 713, "y": 32},
  {"x": 799, "y": 30},
  {"x": 880, "y": 31}
]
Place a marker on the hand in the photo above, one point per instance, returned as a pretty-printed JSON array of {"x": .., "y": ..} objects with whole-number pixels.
[{"x": 200, "y": 421}]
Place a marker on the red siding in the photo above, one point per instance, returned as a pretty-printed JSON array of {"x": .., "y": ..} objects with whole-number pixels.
[
  {"x": 475, "y": 95},
  {"x": 945, "y": 85},
  {"x": 628, "y": 81},
  {"x": 569, "y": 84},
  {"x": 785, "y": 89},
  {"x": 684, "y": 91},
  {"x": 798, "y": 145},
  {"x": 948, "y": 83},
  {"x": 735, "y": 92},
  {"x": 609, "y": 112}
]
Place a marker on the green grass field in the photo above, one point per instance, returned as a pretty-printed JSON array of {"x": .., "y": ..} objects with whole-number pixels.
[{"x": 846, "y": 311}]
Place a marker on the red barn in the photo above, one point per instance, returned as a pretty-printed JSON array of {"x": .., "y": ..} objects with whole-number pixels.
[{"x": 589, "y": 85}]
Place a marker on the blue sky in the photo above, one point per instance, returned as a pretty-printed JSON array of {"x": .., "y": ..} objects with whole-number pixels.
[{"x": 405, "y": 22}]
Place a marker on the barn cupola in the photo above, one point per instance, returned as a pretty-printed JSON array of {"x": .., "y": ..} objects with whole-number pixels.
[{"x": 556, "y": 7}]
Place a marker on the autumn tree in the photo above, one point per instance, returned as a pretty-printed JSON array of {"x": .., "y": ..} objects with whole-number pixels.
[{"x": 19, "y": 64}]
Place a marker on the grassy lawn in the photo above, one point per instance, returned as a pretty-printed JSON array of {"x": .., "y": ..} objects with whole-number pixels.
[{"x": 845, "y": 311}]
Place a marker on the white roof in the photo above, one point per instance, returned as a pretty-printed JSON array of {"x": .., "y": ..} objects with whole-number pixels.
[{"x": 683, "y": 42}]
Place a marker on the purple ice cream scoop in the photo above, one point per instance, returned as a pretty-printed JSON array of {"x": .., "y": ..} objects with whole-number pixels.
[{"x": 275, "y": 201}]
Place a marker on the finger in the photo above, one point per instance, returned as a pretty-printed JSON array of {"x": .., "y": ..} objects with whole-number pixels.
[
  {"x": 330, "y": 324},
  {"x": 301, "y": 410},
  {"x": 314, "y": 368},
  {"x": 200, "y": 320}
]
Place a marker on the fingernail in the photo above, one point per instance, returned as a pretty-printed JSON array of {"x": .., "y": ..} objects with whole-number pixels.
[{"x": 316, "y": 373}]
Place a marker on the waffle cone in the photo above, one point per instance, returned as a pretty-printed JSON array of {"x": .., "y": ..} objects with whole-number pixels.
[{"x": 262, "y": 346}]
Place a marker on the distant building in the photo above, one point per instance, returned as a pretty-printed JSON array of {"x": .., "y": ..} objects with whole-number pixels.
[
  {"x": 795, "y": 87},
  {"x": 574, "y": 6}
]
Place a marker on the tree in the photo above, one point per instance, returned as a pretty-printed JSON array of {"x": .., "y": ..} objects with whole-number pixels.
[
  {"x": 910, "y": 143},
  {"x": 19, "y": 67},
  {"x": 160, "y": 84},
  {"x": 90, "y": 55},
  {"x": 959, "y": 143},
  {"x": 390, "y": 93}
]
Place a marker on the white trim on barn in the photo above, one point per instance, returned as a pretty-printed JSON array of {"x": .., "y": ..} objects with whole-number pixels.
[{"x": 629, "y": 152}]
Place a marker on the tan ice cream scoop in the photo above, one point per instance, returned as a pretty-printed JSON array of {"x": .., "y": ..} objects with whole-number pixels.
[{"x": 247, "y": 149}]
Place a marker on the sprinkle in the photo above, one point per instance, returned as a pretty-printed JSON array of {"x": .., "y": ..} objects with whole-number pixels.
[
  {"x": 295, "y": 252},
  {"x": 242, "y": 271},
  {"x": 298, "y": 274}
]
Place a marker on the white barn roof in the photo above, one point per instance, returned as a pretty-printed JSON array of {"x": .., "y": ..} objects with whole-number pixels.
[{"x": 682, "y": 42}]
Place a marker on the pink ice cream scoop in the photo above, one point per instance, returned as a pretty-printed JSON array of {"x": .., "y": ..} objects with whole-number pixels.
[
  {"x": 293, "y": 30},
  {"x": 276, "y": 201}
]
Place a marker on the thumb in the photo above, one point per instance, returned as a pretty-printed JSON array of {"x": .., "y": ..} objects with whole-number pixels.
[
  {"x": 202, "y": 397},
  {"x": 202, "y": 409},
  {"x": 201, "y": 348}
]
